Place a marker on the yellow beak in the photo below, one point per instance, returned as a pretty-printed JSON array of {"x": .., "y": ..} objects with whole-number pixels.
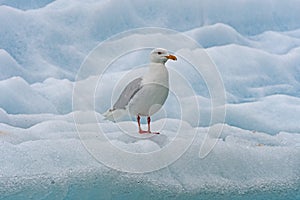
[{"x": 172, "y": 57}]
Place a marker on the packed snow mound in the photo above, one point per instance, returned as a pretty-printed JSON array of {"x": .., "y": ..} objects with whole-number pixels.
[
  {"x": 26, "y": 5},
  {"x": 19, "y": 97},
  {"x": 249, "y": 73},
  {"x": 9, "y": 67},
  {"x": 217, "y": 35},
  {"x": 240, "y": 159},
  {"x": 30, "y": 37},
  {"x": 58, "y": 92},
  {"x": 267, "y": 114},
  {"x": 285, "y": 42}
]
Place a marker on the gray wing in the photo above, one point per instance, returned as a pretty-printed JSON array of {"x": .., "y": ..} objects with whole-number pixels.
[{"x": 130, "y": 90}]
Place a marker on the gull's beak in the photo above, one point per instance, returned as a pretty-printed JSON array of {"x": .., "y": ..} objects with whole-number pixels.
[{"x": 172, "y": 57}]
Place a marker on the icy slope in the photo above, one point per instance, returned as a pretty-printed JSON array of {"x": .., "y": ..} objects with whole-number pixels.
[
  {"x": 44, "y": 39},
  {"x": 241, "y": 159}
]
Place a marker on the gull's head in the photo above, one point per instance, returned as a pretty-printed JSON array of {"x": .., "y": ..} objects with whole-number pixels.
[{"x": 160, "y": 55}]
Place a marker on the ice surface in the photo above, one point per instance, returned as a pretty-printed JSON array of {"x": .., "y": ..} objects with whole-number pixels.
[
  {"x": 26, "y": 5},
  {"x": 265, "y": 114},
  {"x": 255, "y": 46},
  {"x": 32, "y": 36},
  {"x": 19, "y": 97},
  {"x": 9, "y": 67},
  {"x": 51, "y": 154}
]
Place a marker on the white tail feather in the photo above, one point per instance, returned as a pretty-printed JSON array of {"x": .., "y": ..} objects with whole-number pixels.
[{"x": 114, "y": 115}]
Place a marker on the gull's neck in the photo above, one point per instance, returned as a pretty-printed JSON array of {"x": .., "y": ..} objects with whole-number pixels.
[{"x": 157, "y": 73}]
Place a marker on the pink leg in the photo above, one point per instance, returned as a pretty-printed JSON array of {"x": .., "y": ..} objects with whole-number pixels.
[
  {"x": 148, "y": 121},
  {"x": 139, "y": 124},
  {"x": 140, "y": 129}
]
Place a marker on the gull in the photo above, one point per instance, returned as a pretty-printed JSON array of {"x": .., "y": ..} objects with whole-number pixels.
[{"x": 145, "y": 95}]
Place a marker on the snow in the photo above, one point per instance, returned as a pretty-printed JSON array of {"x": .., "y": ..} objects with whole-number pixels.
[
  {"x": 259, "y": 115},
  {"x": 26, "y": 5},
  {"x": 241, "y": 159},
  {"x": 9, "y": 67},
  {"x": 52, "y": 143},
  {"x": 19, "y": 97}
]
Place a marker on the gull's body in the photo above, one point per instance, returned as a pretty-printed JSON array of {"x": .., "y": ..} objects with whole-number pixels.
[{"x": 144, "y": 96}]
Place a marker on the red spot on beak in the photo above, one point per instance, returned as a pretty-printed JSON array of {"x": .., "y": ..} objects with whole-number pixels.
[{"x": 172, "y": 57}]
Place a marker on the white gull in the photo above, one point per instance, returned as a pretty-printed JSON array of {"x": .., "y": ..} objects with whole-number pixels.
[{"x": 144, "y": 96}]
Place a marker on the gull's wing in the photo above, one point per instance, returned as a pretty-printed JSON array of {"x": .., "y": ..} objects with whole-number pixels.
[{"x": 127, "y": 94}]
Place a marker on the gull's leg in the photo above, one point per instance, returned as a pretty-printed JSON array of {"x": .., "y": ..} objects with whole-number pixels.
[
  {"x": 138, "y": 118},
  {"x": 139, "y": 124},
  {"x": 149, "y": 121}
]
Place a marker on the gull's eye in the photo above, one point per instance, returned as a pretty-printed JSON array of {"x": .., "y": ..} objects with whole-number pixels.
[{"x": 158, "y": 53}]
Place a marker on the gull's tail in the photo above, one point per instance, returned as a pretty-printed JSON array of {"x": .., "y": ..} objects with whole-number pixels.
[{"x": 114, "y": 114}]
